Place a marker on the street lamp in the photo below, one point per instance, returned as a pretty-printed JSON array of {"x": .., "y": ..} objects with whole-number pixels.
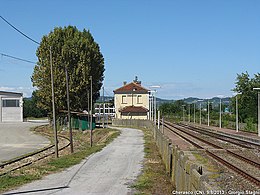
[
  {"x": 208, "y": 112},
  {"x": 194, "y": 112},
  {"x": 200, "y": 109},
  {"x": 151, "y": 103},
  {"x": 189, "y": 113},
  {"x": 183, "y": 119},
  {"x": 152, "y": 107},
  {"x": 258, "y": 93},
  {"x": 237, "y": 122},
  {"x": 155, "y": 109},
  {"x": 220, "y": 111}
]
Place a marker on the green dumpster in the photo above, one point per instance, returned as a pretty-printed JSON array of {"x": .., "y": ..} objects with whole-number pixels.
[
  {"x": 74, "y": 122},
  {"x": 83, "y": 123}
]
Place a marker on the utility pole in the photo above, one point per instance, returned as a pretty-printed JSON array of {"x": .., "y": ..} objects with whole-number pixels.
[
  {"x": 258, "y": 95},
  {"x": 99, "y": 113},
  {"x": 194, "y": 112},
  {"x": 220, "y": 111},
  {"x": 236, "y": 113},
  {"x": 53, "y": 111},
  {"x": 103, "y": 121},
  {"x": 152, "y": 105},
  {"x": 189, "y": 113},
  {"x": 208, "y": 112},
  {"x": 183, "y": 119},
  {"x": 155, "y": 110},
  {"x": 108, "y": 115},
  {"x": 159, "y": 119},
  {"x": 162, "y": 125},
  {"x": 200, "y": 113},
  {"x": 68, "y": 105},
  {"x": 88, "y": 111},
  {"x": 258, "y": 100},
  {"x": 91, "y": 106}
]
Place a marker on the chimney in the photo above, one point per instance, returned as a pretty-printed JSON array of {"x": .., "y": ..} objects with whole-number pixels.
[
  {"x": 124, "y": 83},
  {"x": 136, "y": 81}
]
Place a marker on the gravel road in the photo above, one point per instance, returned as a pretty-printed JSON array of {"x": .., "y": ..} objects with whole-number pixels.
[
  {"x": 16, "y": 139},
  {"x": 110, "y": 171}
]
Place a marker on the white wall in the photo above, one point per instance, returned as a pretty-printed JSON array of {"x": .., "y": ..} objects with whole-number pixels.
[
  {"x": 130, "y": 99},
  {"x": 11, "y": 114}
]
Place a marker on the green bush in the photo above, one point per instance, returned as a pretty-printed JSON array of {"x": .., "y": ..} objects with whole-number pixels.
[{"x": 250, "y": 126}]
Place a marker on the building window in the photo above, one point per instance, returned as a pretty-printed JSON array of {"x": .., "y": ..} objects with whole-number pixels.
[
  {"x": 11, "y": 103},
  {"x": 139, "y": 99},
  {"x": 124, "y": 99}
]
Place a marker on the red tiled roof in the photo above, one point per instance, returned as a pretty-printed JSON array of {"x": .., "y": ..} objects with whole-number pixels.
[
  {"x": 136, "y": 109},
  {"x": 130, "y": 88}
]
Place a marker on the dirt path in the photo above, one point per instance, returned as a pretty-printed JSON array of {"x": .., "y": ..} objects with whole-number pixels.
[{"x": 110, "y": 171}]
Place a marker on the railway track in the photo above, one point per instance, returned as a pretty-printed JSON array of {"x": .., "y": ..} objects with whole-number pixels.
[
  {"x": 32, "y": 158},
  {"x": 249, "y": 161},
  {"x": 223, "y": 137},
  {"x": 186, "y": 135}
]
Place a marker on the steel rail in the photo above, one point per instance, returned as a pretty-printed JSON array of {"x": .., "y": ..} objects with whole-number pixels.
[
  {"x": 30, "y": 155},
  {"x": 220, "y": 136},
  {"x": 249, "y": 161},
  {"x": 25, "y": 156},
  {"x": 222, "y": 161},
  {"x": 235, "y": 168}
]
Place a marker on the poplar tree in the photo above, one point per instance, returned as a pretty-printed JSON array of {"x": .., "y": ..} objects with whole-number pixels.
[{"x": 80, "y": 54}]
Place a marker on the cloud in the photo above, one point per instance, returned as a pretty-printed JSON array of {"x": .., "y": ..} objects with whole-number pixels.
[
  {"x": 180, "y": 90},
  {"x": 7, "y": 88},
  {"x": 27, "y": 91}
]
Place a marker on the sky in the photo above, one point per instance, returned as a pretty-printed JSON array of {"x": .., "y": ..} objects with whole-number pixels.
[{"x": 190, "y": 48}]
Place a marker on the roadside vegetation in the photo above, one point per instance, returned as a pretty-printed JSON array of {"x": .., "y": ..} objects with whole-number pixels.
[
  {"x": 153, "y": 179},
  {"x": 30, "y": 108},
  {"x": 247, "y": 106},
  {"x": 82, "y": 149}
]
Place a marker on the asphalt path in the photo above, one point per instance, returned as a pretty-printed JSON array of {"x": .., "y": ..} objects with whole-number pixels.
[
  {"x": 16, "y": 139},
  {"x": 110, "y": 171}
]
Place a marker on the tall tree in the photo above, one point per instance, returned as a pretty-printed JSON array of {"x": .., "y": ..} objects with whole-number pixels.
[
  {"x": 30, "y": 108},
  {"x": 248, "y": 98},
  {"x": 172, "y": 108},
  {"x": 80, "y": 54}
]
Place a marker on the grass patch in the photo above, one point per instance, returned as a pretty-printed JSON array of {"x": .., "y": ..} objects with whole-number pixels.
[
  {"x": 212, "y": 170},
  {"x": 200, "y": 158},
  {"x": 153, "y": 179},
  {"x": 14, "y": 181},
  {"x": 72, "y": 159},
  {"x": 82, "y": 149}
]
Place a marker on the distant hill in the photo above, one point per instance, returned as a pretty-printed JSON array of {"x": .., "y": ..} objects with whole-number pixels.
[
  {"x": 215, "y": 101},
  {"x": 162, "y": 101},
  {"x": 190, "y": 100}
]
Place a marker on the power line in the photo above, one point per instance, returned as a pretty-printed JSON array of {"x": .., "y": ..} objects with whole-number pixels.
[
  {"x": 16, "y": 58},
  {"x": 19, "y": 30}
]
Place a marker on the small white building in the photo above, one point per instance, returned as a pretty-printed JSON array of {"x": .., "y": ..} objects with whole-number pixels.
[
  {"x": 106, "y": 108},
  {"x": 11, "y": 107}
]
